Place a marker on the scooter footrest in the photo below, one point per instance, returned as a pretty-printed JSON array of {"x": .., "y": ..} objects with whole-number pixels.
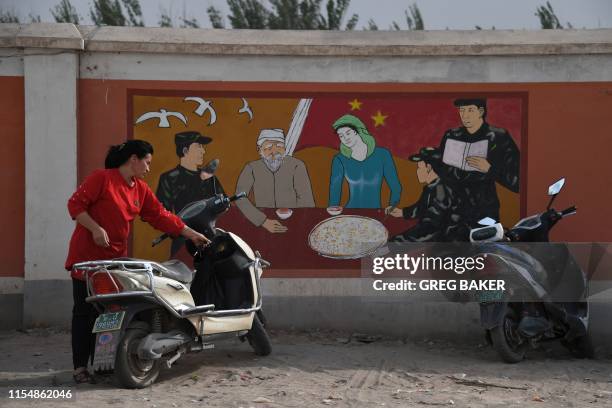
[{"x": 197, "y": 310}]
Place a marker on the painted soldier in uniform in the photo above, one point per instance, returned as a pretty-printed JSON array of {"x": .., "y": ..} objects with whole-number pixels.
[
  {"x": 436, "y": 209},
  {"x": 187, "y": 182},
  {"x": 498, "y": 163}
]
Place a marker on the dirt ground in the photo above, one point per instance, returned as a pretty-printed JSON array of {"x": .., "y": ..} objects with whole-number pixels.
[{"x": 319, "y": 369}]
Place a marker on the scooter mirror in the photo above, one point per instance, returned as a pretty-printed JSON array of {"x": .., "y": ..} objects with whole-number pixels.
[
  {"x": 487, "y": 221},
  {"x": 211, "y": 167},
  {"x": 556, "y": 187}
]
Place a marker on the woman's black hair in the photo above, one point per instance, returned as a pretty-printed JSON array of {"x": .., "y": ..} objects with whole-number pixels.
[{"x": 121, "y": 153}]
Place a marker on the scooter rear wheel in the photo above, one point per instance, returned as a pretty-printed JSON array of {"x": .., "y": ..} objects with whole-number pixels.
[
  {"x": 506, "y": 340},
  {"x": 130, "y": 370},
  {"x": 258, "y": 338}
]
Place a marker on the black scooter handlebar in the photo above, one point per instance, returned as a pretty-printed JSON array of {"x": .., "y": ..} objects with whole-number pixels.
[
  {"x": 568, "y": 211},
  {"x": 159, "y": 239},
  {"x": 164, "y": 236},
  {"x": 237, "y": 197}
]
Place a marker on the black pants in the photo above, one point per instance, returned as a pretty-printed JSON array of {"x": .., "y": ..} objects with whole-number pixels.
[{"x": 83, "y": 317}]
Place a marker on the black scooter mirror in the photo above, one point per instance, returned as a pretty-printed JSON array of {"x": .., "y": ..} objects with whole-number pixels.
[
  {"x": 211, "y": 166},
  {"x": 555, "y": 188}
]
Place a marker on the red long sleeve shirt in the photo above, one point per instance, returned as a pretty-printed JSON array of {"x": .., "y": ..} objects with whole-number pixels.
[{"x": 113, "y": 204}]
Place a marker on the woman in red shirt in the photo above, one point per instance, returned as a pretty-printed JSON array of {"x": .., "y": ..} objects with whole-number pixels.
[{"x": 104, "y": 207}]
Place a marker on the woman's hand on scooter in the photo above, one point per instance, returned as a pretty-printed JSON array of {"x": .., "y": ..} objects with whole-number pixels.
[{"x": 198, "y": 239}]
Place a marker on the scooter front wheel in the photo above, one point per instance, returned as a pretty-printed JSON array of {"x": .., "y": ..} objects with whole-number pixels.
[
  {"x": 258, "y": 338},
  {"x": 506, "y": 339},
  {"x": 130, "y": 370}
]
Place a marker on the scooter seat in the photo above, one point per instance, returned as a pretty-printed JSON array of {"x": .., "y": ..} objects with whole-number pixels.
[{"x": 177, "y": 270}]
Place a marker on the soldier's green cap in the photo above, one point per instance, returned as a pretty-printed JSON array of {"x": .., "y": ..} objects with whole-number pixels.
[{"x": 187, "y": 138}]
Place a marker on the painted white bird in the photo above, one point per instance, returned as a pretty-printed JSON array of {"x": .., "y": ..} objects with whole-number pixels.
[
  {"x": 162, "y": 115},
  {"x": 246, "y": 109},
  {"x": 203, "y": 106}
]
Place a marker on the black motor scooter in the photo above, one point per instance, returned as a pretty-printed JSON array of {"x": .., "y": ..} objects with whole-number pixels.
[{"x": 546, "y": 290}]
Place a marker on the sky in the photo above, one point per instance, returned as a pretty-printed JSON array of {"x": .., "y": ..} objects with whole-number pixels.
[{"x": 437, "y": 14}]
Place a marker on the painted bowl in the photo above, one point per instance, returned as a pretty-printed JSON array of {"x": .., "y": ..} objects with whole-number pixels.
[
  {"x": 284, "y": 213},
  {"x": 334, "y": 210}
]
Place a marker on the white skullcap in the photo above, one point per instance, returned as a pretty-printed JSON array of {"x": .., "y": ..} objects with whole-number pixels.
[{"x": 270, "y": 134}]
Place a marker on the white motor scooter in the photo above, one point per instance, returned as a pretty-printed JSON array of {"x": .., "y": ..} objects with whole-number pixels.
[{"x": 148, "y": 312}]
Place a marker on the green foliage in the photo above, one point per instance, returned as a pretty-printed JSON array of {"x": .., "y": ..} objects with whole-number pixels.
[
  {"x": 248, "y": 14},
  {"x": 165, "y": 20},
  {"x": 215, "y": 17},
  {"x": 548, "y": 18},
  {"x": 335, "y": 15},
  {"x": 64, "y": 12},
  {"x": 285, "y": 15},
  {"x": 372, "y": 26},
  {"x": 352, "y": 22},
  {"x": 113, "y": 13},
  {"x": 8, "y": 16},
  {"x": 189, "y": 23},
  {"x": 295, "y": 15},
  {"x": 414, "y": 19},
  {"x": 134, "y": 12}
]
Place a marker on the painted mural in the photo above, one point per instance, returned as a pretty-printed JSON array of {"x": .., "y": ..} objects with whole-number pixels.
[{"x": 328, "y": 178}]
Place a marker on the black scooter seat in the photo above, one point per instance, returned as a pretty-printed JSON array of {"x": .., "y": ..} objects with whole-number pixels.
[{"x": 177, "y": 270}]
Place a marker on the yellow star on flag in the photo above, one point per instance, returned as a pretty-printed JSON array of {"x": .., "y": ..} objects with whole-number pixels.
[
  {"x": 379, "y": 119},
  {"x": 355, "y": 104}
]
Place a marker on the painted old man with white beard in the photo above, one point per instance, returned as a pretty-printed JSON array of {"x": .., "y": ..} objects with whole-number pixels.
[{"x": 276, "y": 180}]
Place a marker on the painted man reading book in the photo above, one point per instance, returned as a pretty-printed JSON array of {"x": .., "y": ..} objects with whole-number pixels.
[{"x": 477, "y": 156}]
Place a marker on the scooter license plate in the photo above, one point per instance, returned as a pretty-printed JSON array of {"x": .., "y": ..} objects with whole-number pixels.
[
  {"x": 486, "y": 296},
  {"x": 108, "y": 322}
]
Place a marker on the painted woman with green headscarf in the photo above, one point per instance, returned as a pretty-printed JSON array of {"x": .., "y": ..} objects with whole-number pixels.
[{"x": 363, "y": 165}]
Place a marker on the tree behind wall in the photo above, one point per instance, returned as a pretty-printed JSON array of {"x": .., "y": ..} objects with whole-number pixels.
[
  {"x": 215, "y": 17},
  {"x": 166, "y": 20},
  {"x": 414, "y": 19},
  {"x": 9, "y": 16},
  {"x": 113, "y": 13},
  {"x": 247, "y": 14},
  {"x": 548, "y": 18},
  {"x": 65, "y": 12},
  {"x": 285, "y": 15}
]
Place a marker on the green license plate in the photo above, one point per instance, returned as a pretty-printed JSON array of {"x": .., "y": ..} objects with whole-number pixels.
[
  {"x": 108, "y": 322},
  {"x": 490, "y": 296}
]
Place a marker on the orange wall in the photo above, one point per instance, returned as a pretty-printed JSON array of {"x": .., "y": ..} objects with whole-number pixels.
[
  {"x": 568, "y": 134},
  {"x": 12, "y": 176}
]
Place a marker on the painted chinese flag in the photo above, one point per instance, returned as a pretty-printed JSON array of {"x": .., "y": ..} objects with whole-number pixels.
[{"x": 403, "y": 124}]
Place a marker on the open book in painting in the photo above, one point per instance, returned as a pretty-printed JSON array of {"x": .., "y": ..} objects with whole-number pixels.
[{"x": 456, "y": 152}]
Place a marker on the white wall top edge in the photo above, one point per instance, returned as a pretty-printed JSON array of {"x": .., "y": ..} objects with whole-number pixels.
[{"x": 304, "y": 42}]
